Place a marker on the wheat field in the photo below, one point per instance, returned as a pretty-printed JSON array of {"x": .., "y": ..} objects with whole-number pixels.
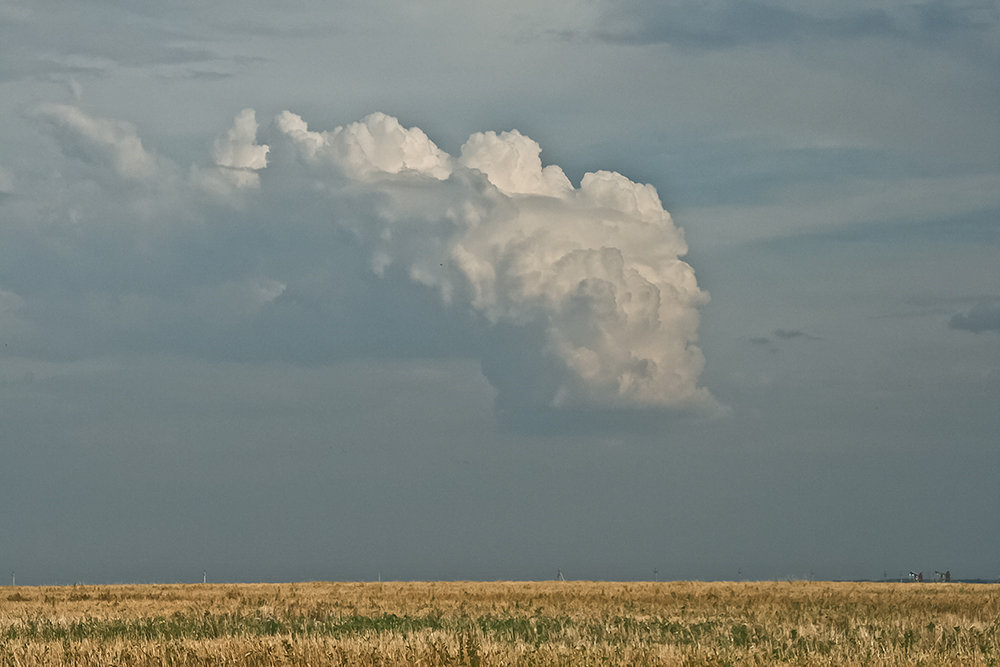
[{"x": 502, "y": 623}]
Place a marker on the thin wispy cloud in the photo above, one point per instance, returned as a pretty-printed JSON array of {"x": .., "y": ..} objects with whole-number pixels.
[
  {"x": 720, "y": 24},
  {"x": 982, "y": 317},
  {"x": 792, "y": 334},
  {"x": 730, "y": 23}
]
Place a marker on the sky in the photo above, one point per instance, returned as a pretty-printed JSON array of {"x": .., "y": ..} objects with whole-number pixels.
[{"x": 620, "y": 289}]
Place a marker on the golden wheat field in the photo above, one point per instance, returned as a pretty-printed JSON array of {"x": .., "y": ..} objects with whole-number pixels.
[{"x": 502, "y": 623}]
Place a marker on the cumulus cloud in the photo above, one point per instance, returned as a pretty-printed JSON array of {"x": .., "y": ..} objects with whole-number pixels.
[
  {"x": 513, "y": 163},
  {"x": 572, "y": 297},
  {"x": 238, "y": 149},
  {"x": 984, "y": 316},
  {"x": 237, "y": 157},
  {"x": 376, "y": 145}
]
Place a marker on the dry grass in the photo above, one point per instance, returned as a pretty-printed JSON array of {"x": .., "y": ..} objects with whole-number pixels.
[{"x": 502, "y": 623}]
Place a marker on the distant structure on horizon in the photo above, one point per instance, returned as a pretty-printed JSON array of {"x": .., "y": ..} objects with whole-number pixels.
[{"x": 941, "y": 576}]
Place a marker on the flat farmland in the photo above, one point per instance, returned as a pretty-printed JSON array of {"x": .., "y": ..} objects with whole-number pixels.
[{"x": 502, "y": 623}]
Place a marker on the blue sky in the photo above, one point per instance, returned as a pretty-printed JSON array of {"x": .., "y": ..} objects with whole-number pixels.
[{"x": 392, "y": 349}]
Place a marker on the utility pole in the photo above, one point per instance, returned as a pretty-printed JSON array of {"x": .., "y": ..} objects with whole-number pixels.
[{"x": 13, "y": 580}]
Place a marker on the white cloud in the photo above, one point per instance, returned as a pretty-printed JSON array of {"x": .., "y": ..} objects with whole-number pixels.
[
  {"x": 588, "y": 281},
  {"x": 377, "y": 144},
  {"x": 596, "y": 268},
  {"x": 513, "y": 163},
  {"x": 238, "y": 149},
  {"x": 237, "y": 156}
]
